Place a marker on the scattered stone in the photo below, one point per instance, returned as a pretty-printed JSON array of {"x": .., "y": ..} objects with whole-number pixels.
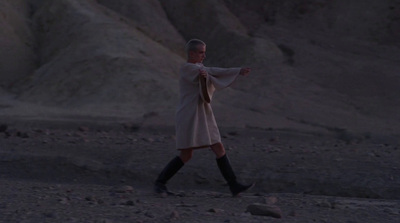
[
  {"x": 149, "y": 214},
  {"x": 163, "y": 195},
  {"x": 271, "y": 200},
  {"x": 174, "y": 215},
  {"x": 7, "y": 134},
  {"x": 274, "y": 139},
  {"x": 83, "y": 129},
  {"x": 324, "y": 204},
  {"x": 10, "y": 132},
  {"x": 77, "y": 134},
  {"x": 274, "y": 150},
  {"x": 72, "y": 219},
  {"x": 150, "y": 115},
  {"x": 187, "y": 205},
  {"x": 90, "y": 198},
  {"x": 131, "y": 127},
  {"x": 148, "y": 139},
  {"x": 38, "y": 130},
  {"x": 123, "y": 189},
  {"x": 94, "y": 200},
  {"x": 201, "y": 179},
  {"x": 49, "y": 215},
  {"x": 180, "y": 194},
  {"x": 245, "y": 214},
  {"x": 3, "y": 205},
  {"x": 231, "y": 147},
  {"x": 23, "y": 135},
  {"x": 233, "y": 133},
  {"x": 103, "y": 221},
  {"x": 64, "y": 200},
  {"x": 3, "y": 127},
  {"x": 217, "y": 195},
  {"x": 264, "y": 210},
  {"x": 128, "y": 203},
  {"x": 215, "y": 210}
]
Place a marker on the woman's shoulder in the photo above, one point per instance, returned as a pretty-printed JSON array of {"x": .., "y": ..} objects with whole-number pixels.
[
  {"x": 188, "y": 67},
  {"x": 192, "y": 65}
]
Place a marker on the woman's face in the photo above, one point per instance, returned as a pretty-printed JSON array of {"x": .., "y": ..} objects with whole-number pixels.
[{"x": 199, "y": 55}]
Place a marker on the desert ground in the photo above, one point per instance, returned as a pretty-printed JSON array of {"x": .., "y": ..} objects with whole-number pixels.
[
  {"x": 88, "y": 91},
  {"x": 103, "y": 172}
]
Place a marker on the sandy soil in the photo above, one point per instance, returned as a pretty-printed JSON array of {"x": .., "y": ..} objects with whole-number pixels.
[{"x": 87, "y": 171}]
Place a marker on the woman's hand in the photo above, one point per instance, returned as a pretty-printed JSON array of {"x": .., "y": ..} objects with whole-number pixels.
[
  {"x": 203, "y": 73},
  {"x": 245, "y": 71}
]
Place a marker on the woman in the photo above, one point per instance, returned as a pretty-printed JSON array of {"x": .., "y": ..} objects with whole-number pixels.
[{"x": 196, "y": 127}]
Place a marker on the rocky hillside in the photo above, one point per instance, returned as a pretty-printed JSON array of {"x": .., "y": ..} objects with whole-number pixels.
[{"x": 317, "y": 65}]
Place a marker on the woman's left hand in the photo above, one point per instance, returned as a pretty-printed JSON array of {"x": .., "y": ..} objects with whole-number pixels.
[
  {"x": 245, "y": 71},
  {"x": 203, "y": 73}
]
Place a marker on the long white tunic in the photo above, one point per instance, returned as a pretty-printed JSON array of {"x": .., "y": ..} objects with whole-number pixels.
[{"x": 195, "y": 123}]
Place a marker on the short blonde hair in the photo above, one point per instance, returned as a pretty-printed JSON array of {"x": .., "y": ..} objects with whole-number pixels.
[{"x": 192, "y": 45}]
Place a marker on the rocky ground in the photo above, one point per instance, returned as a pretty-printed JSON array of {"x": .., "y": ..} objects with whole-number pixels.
[{"x": 64, "y": 171}]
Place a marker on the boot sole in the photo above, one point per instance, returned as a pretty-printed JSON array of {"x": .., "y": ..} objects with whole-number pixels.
[{"x": 247, "y": 189}]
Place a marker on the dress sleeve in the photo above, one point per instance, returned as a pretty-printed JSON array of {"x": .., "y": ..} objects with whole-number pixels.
[
  {"x": 190, "y": 73},
  {"x": 217, "y": 78},
  {"x": 222, "y": 77}
]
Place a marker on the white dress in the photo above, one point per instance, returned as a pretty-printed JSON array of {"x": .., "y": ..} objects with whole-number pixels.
[{"x": 195, "y": 123}]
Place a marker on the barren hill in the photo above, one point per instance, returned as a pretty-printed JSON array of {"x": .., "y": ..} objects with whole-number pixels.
[{"x": 317, "y": 65}]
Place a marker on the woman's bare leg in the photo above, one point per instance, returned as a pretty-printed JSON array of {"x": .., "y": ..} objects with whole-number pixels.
[
  {"x": 186, "y": 155},
  {"x": 218, "y": 149}
]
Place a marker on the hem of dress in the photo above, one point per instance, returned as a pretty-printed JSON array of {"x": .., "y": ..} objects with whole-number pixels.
[{"x": 196, "y": 147}]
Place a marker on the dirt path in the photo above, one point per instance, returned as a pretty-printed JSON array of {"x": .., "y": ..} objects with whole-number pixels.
[{"x": 88, "y": 172}]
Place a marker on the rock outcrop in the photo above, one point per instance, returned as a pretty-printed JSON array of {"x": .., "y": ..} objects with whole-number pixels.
[{"x": 317, "y": 65}]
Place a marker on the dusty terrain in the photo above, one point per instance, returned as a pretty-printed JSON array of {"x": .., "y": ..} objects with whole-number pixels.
[
  {"x": 88, "y": 90},
  {"x": 103, "y": 172}
]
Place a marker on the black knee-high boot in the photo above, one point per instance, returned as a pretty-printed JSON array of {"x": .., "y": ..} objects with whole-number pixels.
[
  {"x": 169, "y": 171},
  {"x": 227, "y": 172}
]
